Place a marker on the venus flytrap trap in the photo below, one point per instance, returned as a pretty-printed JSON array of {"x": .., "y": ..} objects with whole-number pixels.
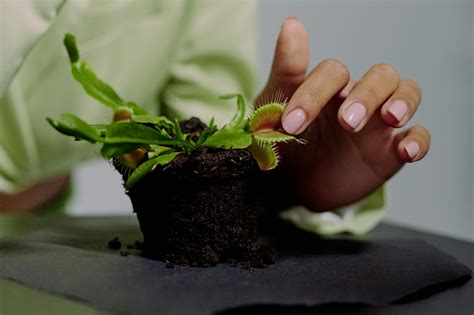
[{"x": 139, "y": 142}]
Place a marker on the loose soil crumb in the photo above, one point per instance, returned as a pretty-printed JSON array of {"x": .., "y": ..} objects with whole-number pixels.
[
  {"x": 124, "y": 253},
  {"x": 193, "y": 126},
  {"x": 115, "y": 243}
]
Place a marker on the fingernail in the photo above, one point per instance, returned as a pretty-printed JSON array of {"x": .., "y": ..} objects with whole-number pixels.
[
  {"x": 294, "y": 121},
  {"x": 398, "y": 109},
  {"x": 291, "y": 17},
  {"x": 412, "y": 148},
  {"x": 354, "y": 114}
]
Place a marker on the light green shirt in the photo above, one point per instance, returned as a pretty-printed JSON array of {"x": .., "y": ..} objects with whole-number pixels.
[{"x": 174, "y": 57}]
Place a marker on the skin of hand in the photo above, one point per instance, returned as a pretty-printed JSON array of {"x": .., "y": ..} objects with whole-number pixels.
[
  {"x": 353, "y": 144},
  {"x": 35, "y": 196}
]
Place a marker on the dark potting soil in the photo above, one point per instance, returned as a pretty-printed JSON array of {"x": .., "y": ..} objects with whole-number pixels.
[
  {"x": 193, "y": 126},
  {"x": 201, "y": 209}
]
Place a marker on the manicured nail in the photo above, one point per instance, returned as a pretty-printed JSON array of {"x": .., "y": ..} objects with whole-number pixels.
[
  {"x": 294, "y": 121},
  {"x": 398, "y": 109},
  {"x": 412, "y": 148},
  {"x": 291, "y": 17},
  {"x": 354, "y": 114}
]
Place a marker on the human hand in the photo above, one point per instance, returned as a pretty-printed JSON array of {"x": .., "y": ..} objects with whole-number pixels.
[{"x": 353, "y": 146}]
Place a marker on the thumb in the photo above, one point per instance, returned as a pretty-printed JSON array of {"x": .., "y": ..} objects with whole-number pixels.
[{"x": 290, "y": 62}]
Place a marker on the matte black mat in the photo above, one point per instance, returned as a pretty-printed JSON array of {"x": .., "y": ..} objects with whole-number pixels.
[{"x": 318, "y": 272}]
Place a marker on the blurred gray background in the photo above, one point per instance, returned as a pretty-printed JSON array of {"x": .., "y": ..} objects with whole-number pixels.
[{"x": 429, "y": 41}]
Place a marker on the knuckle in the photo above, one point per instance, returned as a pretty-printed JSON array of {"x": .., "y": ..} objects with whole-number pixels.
[
  {"x": 370, "y": 95},
  {"x": 339, "y": 70},
  {"x": 316, "y": 98},
  {"x": 386, "y": 70}
]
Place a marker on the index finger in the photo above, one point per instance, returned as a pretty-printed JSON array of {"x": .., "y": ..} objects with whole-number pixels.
[{"x": 326, "y": 80}]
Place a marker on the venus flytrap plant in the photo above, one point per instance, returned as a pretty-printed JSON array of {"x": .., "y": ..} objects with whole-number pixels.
[{"x": 139, "y": 142}]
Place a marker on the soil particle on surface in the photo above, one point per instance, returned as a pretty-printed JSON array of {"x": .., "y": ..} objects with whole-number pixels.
[
  {"x": 114, "y": 244},
  {"x": 124, "y": 253}
]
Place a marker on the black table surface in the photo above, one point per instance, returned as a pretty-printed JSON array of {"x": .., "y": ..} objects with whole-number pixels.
[
  {"x": 458, "y": 300},
  {"x": 89, "y": 231}
]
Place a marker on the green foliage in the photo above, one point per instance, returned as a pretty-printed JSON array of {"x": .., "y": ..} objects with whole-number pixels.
[
  {"x": 206, "y": 133},
  {"x": 238, "y": 120},
  {"x": 131, "y": 132},
  {"x": 161, "y": 138},
  {"x": 156, "y": 150},
  {"x": 72, "y": 125},
  {"x": 148, "y": 166},
  {"x": 93, "y": 86},
  {"x": 177, "y": 131},
  {"x": 137, "y": 109},
  {"x": 236, "y": 134},
  {"x": 161, "y": 121},
  {"x": 228, "y": 138},
  {"x": 110, "y": 150}
]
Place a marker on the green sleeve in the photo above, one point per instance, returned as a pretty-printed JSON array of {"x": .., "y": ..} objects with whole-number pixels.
[
  {"x": 357, "y": 219},
  {"x": 216, "y": 56},
  {"x": 181, "y": 54},
  {"x": 17, "y": 37}
]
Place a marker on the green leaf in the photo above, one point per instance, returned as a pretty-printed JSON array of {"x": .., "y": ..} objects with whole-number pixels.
[
  {"x": 137, "y": 109},
  {"x": 101, "y": 128},
  {"x": 206, "y": 133},
  {"x": 110, "y": 150},
  {"x": 178, "y": 132},
  {"x": 140, "y": 172},
  {"x": 147, "y": 167},
  {"x": 266, "y": 156},
  {"x": 72, "y": 125},
  {"x": 93, "y": 86},
  {"x": 234, "y": 135},
  {"x": 238, "y": 119},
  {"x": 212, "y": 125},
  {"x": 72, "y": 51},
  {"x": 160, "y": 121},
  {"x": 130, "y": 132},
  {"x": 158, "y": 149},
  {"x": 166, "y": 158},
  {"x": 229, "y": 139},
  {"x": 83, "y": 74}
]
